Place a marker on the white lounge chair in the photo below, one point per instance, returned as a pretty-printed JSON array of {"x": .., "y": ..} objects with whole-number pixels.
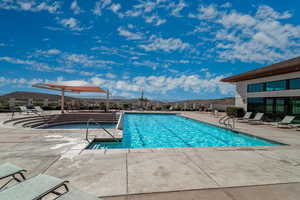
[
  {"x": 24, "y": 109},
  {"x": 38, "y": 187},
  {"x": 285, "y": 122},
  {"x": 34, "y": 188},
  {"x": 38, "y": 109},
  {"x": 245, "y": 118},
  {"x": 10, "y": 172},
  {"x": 257, "y": 120}
]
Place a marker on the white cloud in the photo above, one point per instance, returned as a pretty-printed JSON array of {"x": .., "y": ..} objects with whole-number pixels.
[
  {"x": 260, "y": 37},
  {"x": 167, "y": 45},
  {"x": 31, "y": 6},
  {"x": 53, "y": 51},
  {"x": 129, "y": 35},
  {"x": 115, "y": 7},
  {"x": 16, "y": 61},
  {"x": 146, "y": 63},
  {"x": 149, "y": 10},
  {"x": 75, "y": 7},
  {"x": 153, "y": 85},
  {"x": 110, "y": 75},
  {"x": 38, "y": 66},
  {"x": 265, "y": 12},
  {"x": 83, "y": 73},
  {"x": 47, "y": 53},
  {"x": 72, "y": 24},
  {"x": 234, "y": 18},
  {"x": 177, "y": 8},
  {"x": 163, "y": 84},
  {"x": 100, "y": 5},
  {"x": 205, "y": 12},
  {"x": 71, "y": 59},
  {"x": 154, "y": 19},
  {"x": 18, "y": 82}
]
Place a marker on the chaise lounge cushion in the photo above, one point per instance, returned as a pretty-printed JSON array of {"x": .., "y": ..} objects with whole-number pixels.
[
  {"x": 32, "y": 189},
  {"x": 8, "y": 169}
]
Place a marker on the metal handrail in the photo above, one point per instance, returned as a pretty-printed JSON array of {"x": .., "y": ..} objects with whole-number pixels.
[
  {"x": 225, "y": 120},
  {"x": 222, "y": 119},
  {"x": 87, "y": 130}
]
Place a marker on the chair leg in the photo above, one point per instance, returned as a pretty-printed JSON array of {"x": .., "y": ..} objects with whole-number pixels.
[
  {"x": 66, "y": 188},
  {"x": 17, "y": 179},
  {"x": 3, "y": 186},
  {"x": 22, "y": 175}
]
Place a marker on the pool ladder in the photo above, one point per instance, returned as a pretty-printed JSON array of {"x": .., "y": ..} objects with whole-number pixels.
[
  {"x": 87, "y": 130},
  {"x": 227, "y": 121}
]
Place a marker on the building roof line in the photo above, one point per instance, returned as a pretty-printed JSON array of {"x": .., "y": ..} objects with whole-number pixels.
[{"x": 287, "y": 66}]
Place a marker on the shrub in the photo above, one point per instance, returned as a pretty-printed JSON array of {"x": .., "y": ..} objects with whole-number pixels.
[{"x": 235, "y": 111}]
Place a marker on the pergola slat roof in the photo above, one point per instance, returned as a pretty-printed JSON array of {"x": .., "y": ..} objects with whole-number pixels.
[
  {"x": 69, "y": 86},
  {"x": 76, "y": 89}
]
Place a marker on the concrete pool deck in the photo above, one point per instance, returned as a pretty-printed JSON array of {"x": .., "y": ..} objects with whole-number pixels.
[{"x": 159, "y": 173}]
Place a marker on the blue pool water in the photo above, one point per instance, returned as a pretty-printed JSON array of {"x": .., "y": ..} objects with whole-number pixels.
[
  {"x": 82, "y": 126},
  {"x": 165, "y": 130}
]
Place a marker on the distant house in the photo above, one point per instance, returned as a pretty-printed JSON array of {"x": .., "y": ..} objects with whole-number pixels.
[{"x": 274, "y": 89}]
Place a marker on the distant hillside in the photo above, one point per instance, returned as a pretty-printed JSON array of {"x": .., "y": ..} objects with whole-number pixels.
[
  {"x": 53, "y": 97},
  {"x": 32, "y": 95}
]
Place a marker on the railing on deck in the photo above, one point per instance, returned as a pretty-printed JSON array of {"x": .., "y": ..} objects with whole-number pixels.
[
  {"x": 106, "y": 131},
  {"x": 227, "y": 121}
]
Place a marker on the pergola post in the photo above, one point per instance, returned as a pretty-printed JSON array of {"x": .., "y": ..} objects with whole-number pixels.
[{"x": 62, "y": 100}]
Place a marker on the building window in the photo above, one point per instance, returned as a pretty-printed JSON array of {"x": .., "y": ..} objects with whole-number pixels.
[
  {"x": 295, "y": 106},
  {"x": 256, "y": 104},
  {"x": 276, "y": 85},
  {"x": 269, "y": 105},
  {"x": 295, "y": 83},
  {"x": 257, "y": 87},
  {"x": 279, "y": 106}
]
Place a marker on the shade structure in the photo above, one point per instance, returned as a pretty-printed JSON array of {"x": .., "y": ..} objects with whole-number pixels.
[{"x": 69, "y": 86}]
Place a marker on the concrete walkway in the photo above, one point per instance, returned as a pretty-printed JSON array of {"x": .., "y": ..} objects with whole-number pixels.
[
  {"x": 116, "y": 172},
  {"x": 266, "y": 192}
]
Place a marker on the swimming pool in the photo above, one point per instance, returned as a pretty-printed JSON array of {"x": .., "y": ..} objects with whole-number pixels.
[
  {"x": 169, "y": 130},
  {"x": 81, "y": 126}
]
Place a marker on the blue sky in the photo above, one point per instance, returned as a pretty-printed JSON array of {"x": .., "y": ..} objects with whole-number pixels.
[{"x": 172, "y": 49}]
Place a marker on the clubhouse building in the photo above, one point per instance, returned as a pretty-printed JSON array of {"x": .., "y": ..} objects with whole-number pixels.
[{"x": 273, "y": 90}]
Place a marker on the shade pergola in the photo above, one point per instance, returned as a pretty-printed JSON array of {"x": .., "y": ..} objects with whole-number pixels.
[{"x": 69, "y": 86}]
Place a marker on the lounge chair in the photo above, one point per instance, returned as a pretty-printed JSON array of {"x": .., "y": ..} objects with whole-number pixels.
[
  {"x": 24, "y": 109},
  {"x": 257, "y": 120},
  {"x": 245, "y": 118},
  {"x": 216, "y": 113},
  {"x": 34, "y": 188},
  {"x": 11, "y": 171},
  {"x": 38, "y": 110},
  {"x": 38, "y": 187},
  {"x": 285, "y": 122}
]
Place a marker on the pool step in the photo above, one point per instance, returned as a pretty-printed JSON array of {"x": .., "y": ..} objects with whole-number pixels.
[
  {"x": 20, "y": 118},
  {"x": 28, "y": 120},
  {"x": 36, "y": 121}
]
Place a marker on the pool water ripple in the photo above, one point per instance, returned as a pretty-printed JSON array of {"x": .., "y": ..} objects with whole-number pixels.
[{"x": 165, "y": 130}]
